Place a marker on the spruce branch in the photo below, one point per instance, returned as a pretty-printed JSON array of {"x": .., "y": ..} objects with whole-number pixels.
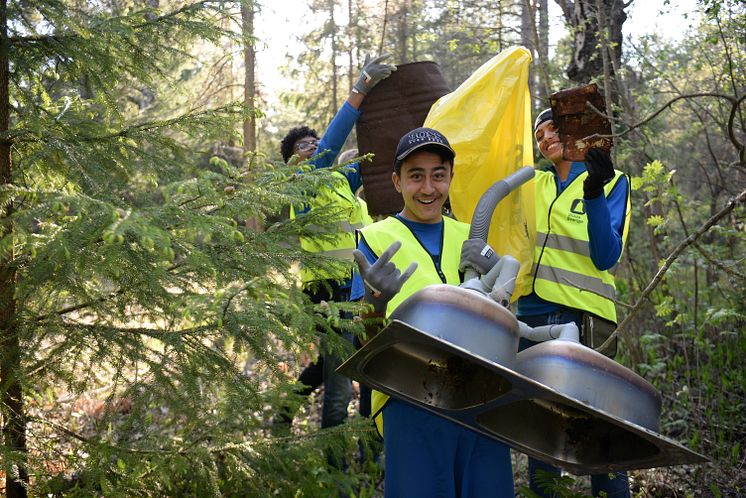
[
  {"x": 150, "y": 126},
  {"x": 83, "y": 439},
  {"x": 22, "y": 135},
  {"x": 226, "y": 305},
  {"x": 80, "y": 306},
  {"x": 228, "y": 447},
  {"x": 729, "y": 206},
  {"x": 189, "y": 8},
  {"x": 60, "y": 38},
  {"x": 156, "y": 333}
]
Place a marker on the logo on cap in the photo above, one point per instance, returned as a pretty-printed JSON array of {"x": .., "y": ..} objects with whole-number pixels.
[
  {"x": 430, "y": 136},
  {"x": 420, "y": 137}
]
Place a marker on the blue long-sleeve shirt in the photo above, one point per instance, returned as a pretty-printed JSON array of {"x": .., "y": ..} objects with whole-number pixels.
[
  {"x": 328, "y": 149},
  {"x": 605, "y": 231},
  {"x": 331, "y": 143}
]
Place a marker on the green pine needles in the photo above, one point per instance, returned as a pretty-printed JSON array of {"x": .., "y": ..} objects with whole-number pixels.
[{"x": 145, "y": 330}]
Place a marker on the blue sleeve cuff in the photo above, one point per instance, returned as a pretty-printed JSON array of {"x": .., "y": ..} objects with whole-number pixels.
[
  {"x": 335, "y": 136},
  {"x": 606, "y": 224},
  {"x": 346, "y": 107},
  {"x": 595, "y": 205}
]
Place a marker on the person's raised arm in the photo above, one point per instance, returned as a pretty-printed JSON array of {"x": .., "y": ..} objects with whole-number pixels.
[
  {"x": 606, "y": 216},
  {"x": 339, "y": 129}
]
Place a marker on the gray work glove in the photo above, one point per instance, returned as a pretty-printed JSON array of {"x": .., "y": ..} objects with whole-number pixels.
[
  {"x": 382, "y": 279},
  {"x": 373, "y": 72},
  {"x": 600, "y": 172},
  {"x": 478, "y": 255}
]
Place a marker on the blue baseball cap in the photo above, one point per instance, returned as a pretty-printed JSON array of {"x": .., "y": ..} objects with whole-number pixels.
[
  {"x": 545, "y": 115},
  {"x": 422, "y": 137}
]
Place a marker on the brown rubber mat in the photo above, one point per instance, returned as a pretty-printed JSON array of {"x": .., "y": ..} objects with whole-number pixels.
[
  {"x": 579, "y": 125},
  {"x": 395, "y": 106}
]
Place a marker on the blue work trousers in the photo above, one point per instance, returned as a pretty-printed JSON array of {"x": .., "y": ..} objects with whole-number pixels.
[
  {"x": 337, "y": 387},
  {"x": 427, "y": 456}
]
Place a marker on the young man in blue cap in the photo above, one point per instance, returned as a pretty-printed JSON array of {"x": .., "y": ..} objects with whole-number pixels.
[
  {"x": 426, "y": 455},
  {"x": 582, "y": 216}
]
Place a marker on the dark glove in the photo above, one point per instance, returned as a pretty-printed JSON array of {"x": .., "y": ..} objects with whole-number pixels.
[
  {"x": 477, "y": 254},
  {"x": 382, "y": 279},
  {"x": 373, "y": 72},
  {"x": 600, "y": 172}
]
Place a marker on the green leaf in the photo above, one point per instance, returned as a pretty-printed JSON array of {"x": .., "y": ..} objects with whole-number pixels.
[{"x": 655, "y": 220}]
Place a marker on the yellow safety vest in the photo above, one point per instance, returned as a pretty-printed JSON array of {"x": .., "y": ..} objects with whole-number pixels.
[
  {"x": 367, "y": 218},
  {"x": 563, "y": 271},
  {"x": 339, "y": 197},
  {"x": 379, "y": 236}
]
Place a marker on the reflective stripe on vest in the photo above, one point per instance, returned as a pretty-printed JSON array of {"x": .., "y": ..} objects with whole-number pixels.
[
  {"x": 381, "y": 235},
  {"x": 340, "y": 245},
  {"x": 563, "y": 271}
]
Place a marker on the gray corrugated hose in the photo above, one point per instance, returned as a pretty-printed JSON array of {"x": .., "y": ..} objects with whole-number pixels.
[{"x": 500, "y": 281}]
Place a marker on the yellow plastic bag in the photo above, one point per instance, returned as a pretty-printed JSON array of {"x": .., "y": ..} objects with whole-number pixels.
[{"x": 487, "y": 120}]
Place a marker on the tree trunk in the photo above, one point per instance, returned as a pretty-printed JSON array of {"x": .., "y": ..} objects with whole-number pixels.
[
  {"x": 587, "y": 60},
  {"x": 11, "y": 393},
  {"x": 249, "y": 89},
  {"x": 542, "y": 50},
  {"x": 413, "y": 51},
  {"x": 537, "y": 40},
  {"x": 333, "y": 35},
  {"x": 358, "y": 40},
  {"x": 403, "y": 31},
  {"x": 603, "y": 37},
  {"x": 501, "y": 16},
  {"x": 350, "y": 33},
  {"x": 528, "y": 30},
  {"x": 249, "y": 85}
]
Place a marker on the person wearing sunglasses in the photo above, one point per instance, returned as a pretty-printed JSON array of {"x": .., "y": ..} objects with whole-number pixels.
[{"x": 302, "y": 144}]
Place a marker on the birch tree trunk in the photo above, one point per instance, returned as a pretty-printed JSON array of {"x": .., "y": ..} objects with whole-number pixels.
[
  {"x": 350, "y": 34},
  {"x": 528, "y": 31},
  {"x": 249, "y": 84},
  {"x": 542, "y": 50},
  {"x": 333, "y": 38}
]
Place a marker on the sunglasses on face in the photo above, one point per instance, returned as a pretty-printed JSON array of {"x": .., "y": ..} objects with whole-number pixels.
[{"x": 306, "y": 145}]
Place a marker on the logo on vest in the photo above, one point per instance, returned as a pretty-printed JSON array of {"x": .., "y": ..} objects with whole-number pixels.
[{"x": 577, "y": 211}]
